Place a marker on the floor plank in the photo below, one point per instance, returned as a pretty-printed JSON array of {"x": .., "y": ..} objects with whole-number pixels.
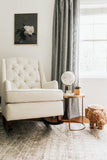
[{"x": 77, "y": 119}]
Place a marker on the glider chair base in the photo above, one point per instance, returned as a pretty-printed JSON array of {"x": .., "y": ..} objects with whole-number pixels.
[
  {"x": 8, "y": 124},
  {"x": 59, "y": 120}
]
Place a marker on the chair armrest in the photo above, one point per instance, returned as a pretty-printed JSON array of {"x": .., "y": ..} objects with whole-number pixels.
[
  {"x": 50, "y": 85},
  {"x": 7, "y": 85}
]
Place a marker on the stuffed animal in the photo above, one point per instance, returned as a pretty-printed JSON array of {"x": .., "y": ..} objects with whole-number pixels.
[{"x": 96, "y": 116}]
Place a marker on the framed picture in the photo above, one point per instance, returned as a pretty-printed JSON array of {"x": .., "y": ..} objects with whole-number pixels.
[{"x": 25, "y": 28}]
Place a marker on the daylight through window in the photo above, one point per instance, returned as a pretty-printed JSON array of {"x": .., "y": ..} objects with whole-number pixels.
[{"x": 93, "y": 41}]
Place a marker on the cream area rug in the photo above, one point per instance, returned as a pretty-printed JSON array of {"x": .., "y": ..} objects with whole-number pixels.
[{"x": 32, "y": 140}]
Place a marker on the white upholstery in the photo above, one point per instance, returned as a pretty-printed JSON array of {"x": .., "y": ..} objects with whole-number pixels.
[
  {"x": 50, "y": 85},
  {"x": 26, "y": 93},
  {"x": 7, "y": 85},
  {"x": 23, "y": 73},
  {"x": 33, "y": 95},
  {"x": 32, "y": 110}
]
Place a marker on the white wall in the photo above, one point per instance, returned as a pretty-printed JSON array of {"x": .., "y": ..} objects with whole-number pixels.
[
  {"x": 95, "y": 90},
  {"x": 42, "y": 51}
]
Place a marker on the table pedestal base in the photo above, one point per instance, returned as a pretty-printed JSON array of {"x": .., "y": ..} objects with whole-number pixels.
[{"x": 76, "y": 129}]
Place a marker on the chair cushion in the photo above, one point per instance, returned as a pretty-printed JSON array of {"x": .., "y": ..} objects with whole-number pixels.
[{"x": 33, "y": 95}]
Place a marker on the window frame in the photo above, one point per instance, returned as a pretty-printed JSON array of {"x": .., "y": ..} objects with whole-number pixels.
[{"x": 82, "y": 7}]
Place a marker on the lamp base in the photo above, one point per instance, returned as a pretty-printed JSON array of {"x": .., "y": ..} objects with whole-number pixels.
[{"x": 68, "y": 91}]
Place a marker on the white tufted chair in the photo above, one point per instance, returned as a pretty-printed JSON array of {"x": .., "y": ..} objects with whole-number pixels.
[{"x": 25, "y": 92}]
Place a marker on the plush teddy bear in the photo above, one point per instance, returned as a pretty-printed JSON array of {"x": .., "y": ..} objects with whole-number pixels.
[{"x": 96, "y": 116}]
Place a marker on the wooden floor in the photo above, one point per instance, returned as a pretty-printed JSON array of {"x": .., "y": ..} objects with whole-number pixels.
[{"x": 78, "y": 119}]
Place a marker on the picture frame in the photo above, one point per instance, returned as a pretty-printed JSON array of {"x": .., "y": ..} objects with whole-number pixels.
[{"x": 26, "y": 28}]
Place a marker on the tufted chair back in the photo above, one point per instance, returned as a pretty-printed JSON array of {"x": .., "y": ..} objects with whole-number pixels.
[{"x": 23, "y": 73}]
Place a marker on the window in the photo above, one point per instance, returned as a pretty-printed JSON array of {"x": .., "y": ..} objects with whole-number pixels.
[{"x": 93, "y": 41}]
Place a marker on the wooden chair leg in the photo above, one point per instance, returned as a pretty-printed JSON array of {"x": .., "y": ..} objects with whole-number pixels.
[
  {"x": 3, "y": 120},
  {"x": 7, "y": 124}
]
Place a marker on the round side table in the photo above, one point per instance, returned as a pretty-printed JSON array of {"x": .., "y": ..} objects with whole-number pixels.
[{"x": 69, "y": 97}]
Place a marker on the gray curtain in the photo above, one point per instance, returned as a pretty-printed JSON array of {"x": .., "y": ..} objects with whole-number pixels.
[{"x": 65, "y": 50}]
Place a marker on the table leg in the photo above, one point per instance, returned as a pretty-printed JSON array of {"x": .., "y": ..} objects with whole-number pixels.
[
  {"x": 69, "y": 116},
  {"x": 69, "y": 112}
]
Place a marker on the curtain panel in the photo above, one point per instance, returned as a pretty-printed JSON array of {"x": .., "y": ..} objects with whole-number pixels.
[{"x": 65, "y": 43}]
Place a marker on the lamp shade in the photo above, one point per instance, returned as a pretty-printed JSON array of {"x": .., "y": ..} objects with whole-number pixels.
[{"x": 68, "y": 78}]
